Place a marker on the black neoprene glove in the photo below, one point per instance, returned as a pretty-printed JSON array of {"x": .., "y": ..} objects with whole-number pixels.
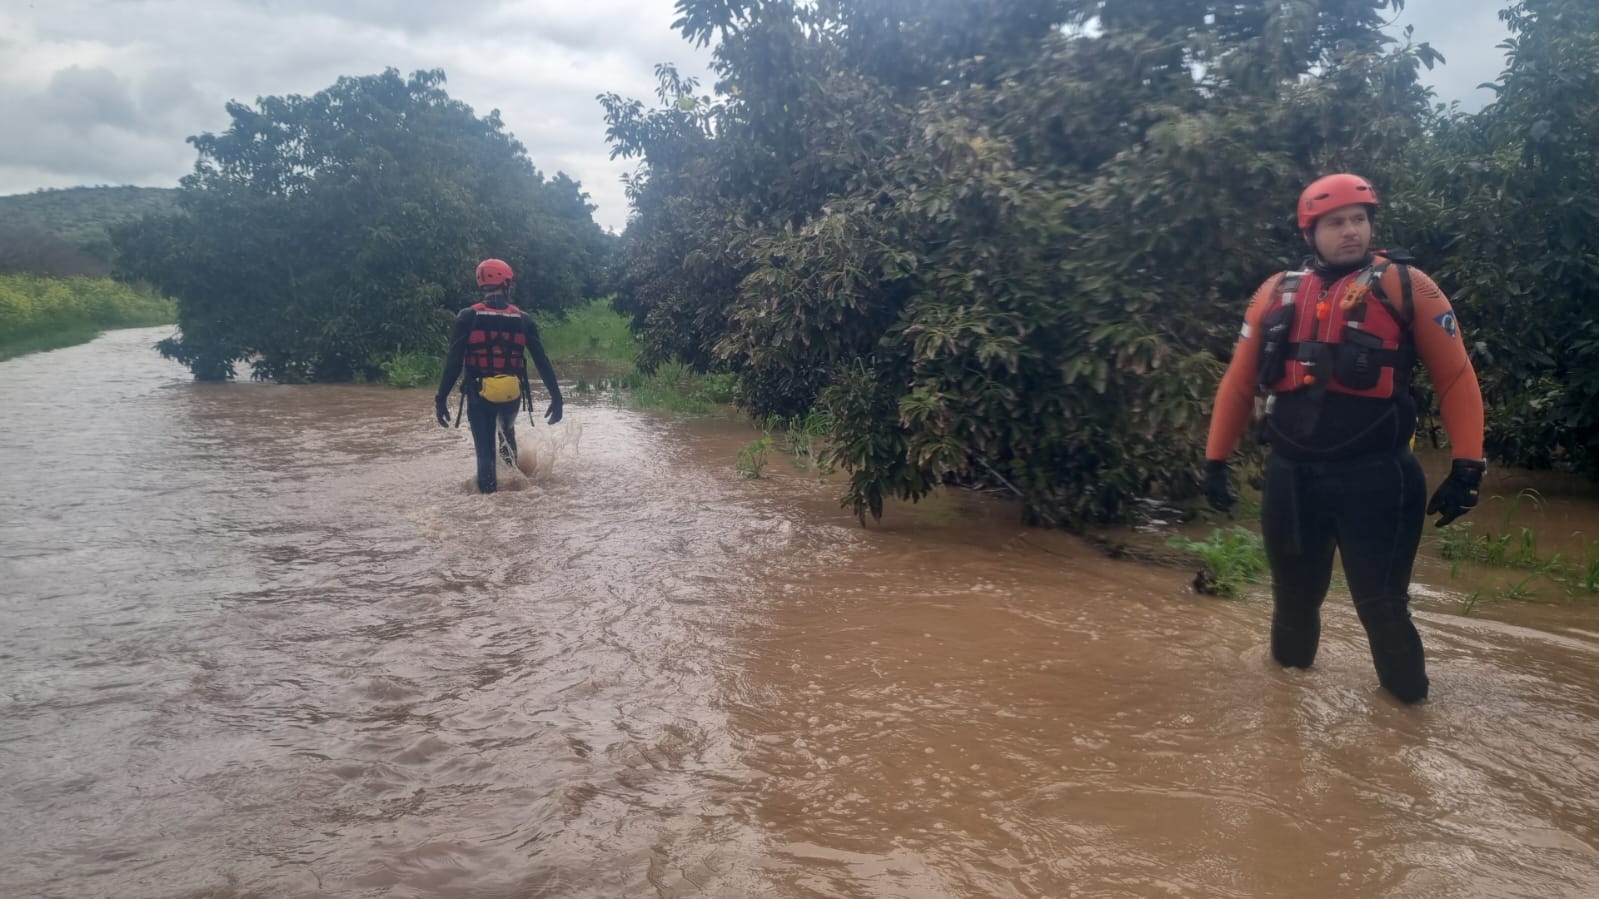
[
  {"x": 1457, "y": 495},
  {"x": 441, "y": 410},
  {"x": 1217, "y": 493},
  {"x": 552, "y": 413}
]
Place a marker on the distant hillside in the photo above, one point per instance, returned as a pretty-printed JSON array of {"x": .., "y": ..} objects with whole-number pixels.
[
  {"x": 64, "y": 232},
  {"x": 79, "y": 215}
]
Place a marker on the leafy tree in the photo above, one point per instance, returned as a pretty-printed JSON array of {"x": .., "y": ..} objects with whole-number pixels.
[
  {"x": 1507, "y": 202},
  {"x": 321, "y": 235},
  {"x": 998, "y": 241}
]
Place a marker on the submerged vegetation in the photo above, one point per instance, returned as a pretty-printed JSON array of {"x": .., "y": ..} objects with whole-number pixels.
[
  {"x": 1233, "y": 557},
  {"x": 752, "y": 457},
  {"x": 1516, "y": 547},
  {"x": 1507, "y": 561}
]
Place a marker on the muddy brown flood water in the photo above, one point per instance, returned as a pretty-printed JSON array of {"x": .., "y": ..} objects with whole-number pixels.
[{"x": 264, "y": 641}]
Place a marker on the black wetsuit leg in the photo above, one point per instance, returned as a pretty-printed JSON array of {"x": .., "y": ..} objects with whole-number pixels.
[
  {"x": 1299, "y": 533},
  {"x": 1379, "y": 531},
  {"x": 1371, "y": 510},
  {"x": 488, "y": 421},
  {"x": 507, "y": 415}
]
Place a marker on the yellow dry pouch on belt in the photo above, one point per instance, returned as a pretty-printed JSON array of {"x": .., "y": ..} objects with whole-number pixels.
[{"x": 500, "y": 388}]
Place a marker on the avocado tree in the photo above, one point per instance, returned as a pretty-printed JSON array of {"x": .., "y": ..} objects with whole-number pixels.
[
  {"x": 319, "y": 236},
  {"x": 1507, "y": 202},
  {"x": 1001, "y": 242}
]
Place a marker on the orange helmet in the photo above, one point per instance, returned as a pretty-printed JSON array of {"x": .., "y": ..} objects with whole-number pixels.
[
  {"x": 1329, "y": 193},
  {"x": 493, "y": 273}
]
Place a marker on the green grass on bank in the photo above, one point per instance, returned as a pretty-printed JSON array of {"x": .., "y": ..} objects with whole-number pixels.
[
  {"x": 590, "y": 335},
  {"x": 593, "y": 337},
  {"x": 1550, "y": 571},
  {"x": 1508, "y": 562},
  {"x": 413, "y": 370},
  {"x": 594, "y": 334},
  {"x": 43, "y": 313},
  {"x": 674, "y": 387}
]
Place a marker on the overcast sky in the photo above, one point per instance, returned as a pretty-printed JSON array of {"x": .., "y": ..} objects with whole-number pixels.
[{"x": 105, "y": 91}]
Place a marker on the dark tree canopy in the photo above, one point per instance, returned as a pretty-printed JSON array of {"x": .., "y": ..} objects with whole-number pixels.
[
  {"x": 319, "y": 236},
  {"x": 997, "y": 241}
]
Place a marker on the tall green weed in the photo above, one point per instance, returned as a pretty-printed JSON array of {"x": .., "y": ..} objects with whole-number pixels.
[
  {"x": 1232, "y": 558},
  {"x": 39, "y": 312},
  {"x": 591, "y": 333}
]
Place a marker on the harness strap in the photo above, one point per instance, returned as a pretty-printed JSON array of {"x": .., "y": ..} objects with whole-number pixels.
[
  {"x": 1308, "y": 350},
  {"x": 1290, "y": 286},
  {"x": 1406, "y": 313}
]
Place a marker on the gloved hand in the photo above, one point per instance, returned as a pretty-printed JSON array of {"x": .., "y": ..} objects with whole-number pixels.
[
  {"x": 1457, "y": 495},
  {"x": 1217, "y": 493},
  {"x": 553, "y": 413},
  {"x": 441, "y": 410}
]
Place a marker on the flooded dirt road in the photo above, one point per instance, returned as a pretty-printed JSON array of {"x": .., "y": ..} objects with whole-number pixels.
[{"x": 264, "y": 641}]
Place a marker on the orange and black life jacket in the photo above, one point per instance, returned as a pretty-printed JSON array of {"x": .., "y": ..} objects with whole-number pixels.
[
  {"x": 496, "y": 342},
  {"x": 1320, "y": 336}
]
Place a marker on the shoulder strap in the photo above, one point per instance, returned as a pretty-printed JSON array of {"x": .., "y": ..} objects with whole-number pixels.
[
  {"x": 1405, "y": 313},
  {"x": 1288, "y": 286}
]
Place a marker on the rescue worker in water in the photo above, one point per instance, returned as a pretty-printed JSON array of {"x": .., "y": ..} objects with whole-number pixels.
[
  {"x": 489, "y": 341},
  {"x": 1332, "y": 347}
]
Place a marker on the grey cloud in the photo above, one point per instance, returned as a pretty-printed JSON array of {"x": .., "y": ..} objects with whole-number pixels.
[
  {"x": 152, "y": 72},
  {"x": 163, "y": 70},
  {"x": 597, "y": 26},
  {"x": 89, "y": 96},
  {"x": 96, "y": 125},
  {"x": 1466, "y": 32},
  {"x": 70, "y": 19},
  {"x": 169, "y": 93},
  {"x": 98, "y": 154},
  {"x": 410, "y": 16}
]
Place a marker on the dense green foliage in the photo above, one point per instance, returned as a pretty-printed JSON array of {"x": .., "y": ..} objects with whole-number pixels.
[
  {"x": 994, "y": 239},
  {"x": 67, "y": 232},
  {"x": 42, "y": 313},
  {"x": 1504, "y": 207},
  {"x": 592, "y": 334},
  {"x": 322, "y": 236}
]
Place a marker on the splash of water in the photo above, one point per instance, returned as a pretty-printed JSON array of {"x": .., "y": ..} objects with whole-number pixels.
[{"x": 538, "y": 453}]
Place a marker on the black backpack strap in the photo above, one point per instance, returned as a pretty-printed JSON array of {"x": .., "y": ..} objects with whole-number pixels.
[
  {"x": 1276, "y": 329},
  {"x": 1405, "y": 313}
]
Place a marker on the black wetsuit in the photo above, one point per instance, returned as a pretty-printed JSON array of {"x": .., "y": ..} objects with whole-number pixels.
[
  {"x": 484, "y": 417},
  {"x": 1361, "y": 492}
]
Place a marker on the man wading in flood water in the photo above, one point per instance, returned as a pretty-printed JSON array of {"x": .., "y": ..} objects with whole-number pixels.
[
  {"x": 490, "y": 338},
  {"x": 1332, "y": 347}
]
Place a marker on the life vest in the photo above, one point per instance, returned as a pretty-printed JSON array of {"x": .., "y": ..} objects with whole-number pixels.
[
  {"x": 496, "y": 342},
  {"x": 1320, "y": 337}
]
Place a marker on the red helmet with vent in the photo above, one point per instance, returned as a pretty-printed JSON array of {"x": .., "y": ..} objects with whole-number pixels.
[{"x": 493, "y": 273}]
